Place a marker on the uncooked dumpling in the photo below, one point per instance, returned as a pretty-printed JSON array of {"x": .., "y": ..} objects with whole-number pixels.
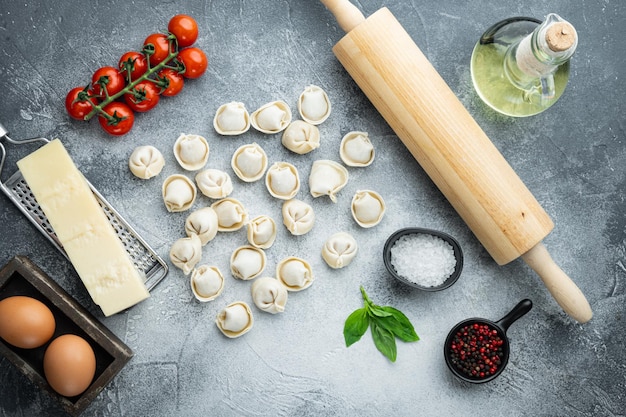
[
  {"x": 314, "y": 105},
  {"x": 294, "y": 273},
  {"x": 231, "y": 214},
  {"x": 298, "y": 216},
  {"x": 207, "y": 283},
  {"x": 214, "y": 183},
  {"x": 179, "y": 193},
  {"x": 282, "y": 180},
  {"x": 368, "y": 208},
  {"x": 146, "y": 162},
  {"x": 231, "y": 119},
  {"x": 269, "y": 295},
  {"x": 202, "y": 222},
  {"x": 247, "y": 262},
  {"x": 356, "y": 149},
  {"x": 191, "y": 151},
  {"x": 272, "y": 117},
  {"x": 186, "y": 252},
  {"x": 249, "y": 162},
  {"x": 339, "y": 250},
  {"x": 301, "y": 137},
  {"x": 327, "y": 178},
  {"x": 261, "y": 231},
  {"x": 235, "y": 319}
]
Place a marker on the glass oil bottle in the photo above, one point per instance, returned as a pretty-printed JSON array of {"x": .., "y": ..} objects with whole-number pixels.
[{"x": 520, "y": 66}]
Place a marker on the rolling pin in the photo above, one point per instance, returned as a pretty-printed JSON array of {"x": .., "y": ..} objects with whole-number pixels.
[{"x": 450, "y": 146}]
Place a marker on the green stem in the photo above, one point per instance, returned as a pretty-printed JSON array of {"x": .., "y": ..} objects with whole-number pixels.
[
  {"x": 99, "y": 108},
  {"x": 365, "y": 297}
]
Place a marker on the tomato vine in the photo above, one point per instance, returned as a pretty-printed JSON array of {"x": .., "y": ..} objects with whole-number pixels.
[{"x": 128, "y": 85}]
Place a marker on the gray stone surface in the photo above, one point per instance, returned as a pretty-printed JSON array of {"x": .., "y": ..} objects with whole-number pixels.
[{"x": 572, "y": 158}]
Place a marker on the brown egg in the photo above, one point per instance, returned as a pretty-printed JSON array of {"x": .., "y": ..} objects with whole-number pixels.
[
  {"x": 25, "y": 322},
  {"x": 69, "y": 365}
]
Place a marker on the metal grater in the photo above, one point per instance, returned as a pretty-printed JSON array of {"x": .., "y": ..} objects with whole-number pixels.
[{"x": 145, "y": 259}]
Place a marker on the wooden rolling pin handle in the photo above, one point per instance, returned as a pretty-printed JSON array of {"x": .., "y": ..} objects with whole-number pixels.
[
  {"x": 347, "y": 14},
  {"x": 562, "y": 288}
]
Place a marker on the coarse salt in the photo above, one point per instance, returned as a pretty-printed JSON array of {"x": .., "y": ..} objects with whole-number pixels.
[{"x": 423, "y": 259}]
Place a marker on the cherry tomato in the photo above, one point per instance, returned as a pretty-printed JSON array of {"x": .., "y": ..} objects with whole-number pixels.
[
  {"x": 170, "y": 82},
  {"x": 184, "y": 28},
  {"x": 195, "y": 62},
  {"x": 111, "y": 78},
  {"x": 78, "y": 102},
  {"x": 122, "y": 118},
  {"x": 143, "y": 97},
  {"x": 135, "y": 62},
  {"x": 157, "y": 47}
]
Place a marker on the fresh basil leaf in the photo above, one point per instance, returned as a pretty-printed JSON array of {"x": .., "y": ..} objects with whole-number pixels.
[
  {"x": 384, "y": 340},
  {"x": 399, "y": 324},
  {"x": 386, "y": 323},
  {"x": 355, "y": 326},
  {"x": 377, "y": 311},
  {"x": 372, "y": 308}
]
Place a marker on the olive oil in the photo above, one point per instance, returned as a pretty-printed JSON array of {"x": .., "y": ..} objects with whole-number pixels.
[{"x": 513, "y": 70}]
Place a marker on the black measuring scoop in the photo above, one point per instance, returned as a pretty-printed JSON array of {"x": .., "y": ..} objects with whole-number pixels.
[{"x": 477, "y": 350}]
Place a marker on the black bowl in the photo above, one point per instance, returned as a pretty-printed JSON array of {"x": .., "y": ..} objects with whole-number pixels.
[
  {"x": 458, "y": 255},
  {"x": 500, "y": 326}
]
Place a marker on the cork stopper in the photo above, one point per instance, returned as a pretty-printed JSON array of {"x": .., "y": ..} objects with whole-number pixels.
[{"x": 560, "y": 36}]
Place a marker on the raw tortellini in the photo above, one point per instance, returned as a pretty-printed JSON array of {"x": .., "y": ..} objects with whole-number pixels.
[
  {"x": 327, "y": 178},
  {"x": 202, "y": 222},
  {"x": 179, "y": 193},
  {"x": 269, "y": 295},
  {"x": 261, "y": 232},
  {"x": 186, "y": 252},
  {"x": 356, "y": 149},
  {"x": 191, "y": 151},
  {"x": 294, "y": 273},
  {"x": 146, "y": 162},
  {"x": 249, "y": 162},
  {"x": 231, "y": 119},
  {"x": 368, "y": 208},
  {"x": 282, "y": 180},
  {"x": 207, "y": 283},
  {"x": 301, "y": 137},
  {"x": 214, "y": 183},
  {"x": 314, "y": 105},
  {"x": 231, "y": 214},
  {"x": 339, "y": 250},
  {"x": 272, "y": 117},
  {"x": 235, "y": 319},
  {"x": 247, "y": 262},
  {"x": 298, "y": 217}
]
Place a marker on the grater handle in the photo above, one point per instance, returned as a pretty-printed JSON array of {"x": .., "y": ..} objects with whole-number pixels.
[{"x": 3, "y": 151}]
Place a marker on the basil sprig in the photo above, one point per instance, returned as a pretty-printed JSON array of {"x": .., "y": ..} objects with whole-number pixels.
[{"x": 386, "y": 324}]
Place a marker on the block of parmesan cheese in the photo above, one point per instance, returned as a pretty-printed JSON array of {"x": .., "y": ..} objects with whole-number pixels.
[{"x": 91, "y": 243}]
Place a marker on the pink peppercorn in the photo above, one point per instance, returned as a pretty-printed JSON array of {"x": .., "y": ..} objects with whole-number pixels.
[{"x": 485, "y": 353}]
